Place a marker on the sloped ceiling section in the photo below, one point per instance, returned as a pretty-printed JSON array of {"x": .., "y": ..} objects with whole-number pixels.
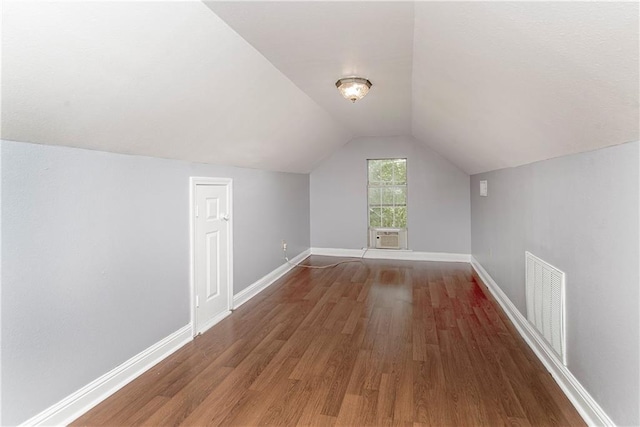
[
  {"x": 501, "y": 84},
  {"x": 486, "y": 84},
  {"x": 161, "y": 79},
  {"x": 315, "y": 43}
]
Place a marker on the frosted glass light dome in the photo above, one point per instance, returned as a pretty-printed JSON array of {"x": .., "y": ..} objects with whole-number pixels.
[{"x": 353, "y": 88}]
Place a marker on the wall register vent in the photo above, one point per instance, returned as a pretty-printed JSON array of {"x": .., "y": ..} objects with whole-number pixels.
[{"x": 545, "y": 294}]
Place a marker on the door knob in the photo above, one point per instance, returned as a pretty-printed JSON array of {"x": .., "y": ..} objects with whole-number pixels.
[{"x": 225, "y": 217}]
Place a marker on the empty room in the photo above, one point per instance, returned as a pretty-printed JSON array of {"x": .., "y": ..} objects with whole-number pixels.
[{"x": 330, "y": 213}]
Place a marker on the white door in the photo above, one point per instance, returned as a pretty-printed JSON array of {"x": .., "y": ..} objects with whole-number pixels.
[{"x": 212, "y": 267}]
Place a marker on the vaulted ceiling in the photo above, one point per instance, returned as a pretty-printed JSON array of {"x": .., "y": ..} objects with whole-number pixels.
[{"x": 486, "y": 84}]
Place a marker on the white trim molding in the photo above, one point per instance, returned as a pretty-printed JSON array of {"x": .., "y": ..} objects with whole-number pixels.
[
  {"x": 344, "y": 253},
  {"x": 81, "y": 401},
  {"x": 586, "y": 406},
  {"x": 399, "y": 254},
  {"x": 267, "y": 280}
]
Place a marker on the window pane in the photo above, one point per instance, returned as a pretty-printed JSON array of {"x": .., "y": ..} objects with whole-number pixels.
[
  {"x": 375, "y": 219},
  {"x": 387, "y": 196},
  {"x": 400, "y": 196},
  {"x": 401, "y": 217},
  {"x": 386, "y": 171},
  {"x": 374, "y": 196},
  {"x": 387, "y": 217},
  {"x": 374, "y": 171},
  {"x": 400, "y": 171}
]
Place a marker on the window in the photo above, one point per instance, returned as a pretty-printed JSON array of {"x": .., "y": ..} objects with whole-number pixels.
[{"x": 387, "y": 188}]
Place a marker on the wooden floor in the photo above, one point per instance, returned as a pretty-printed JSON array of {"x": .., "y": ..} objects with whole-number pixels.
[{"x": 371, "y": 343}]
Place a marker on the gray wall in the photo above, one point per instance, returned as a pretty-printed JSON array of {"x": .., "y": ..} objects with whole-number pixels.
[
  {"x": 438, "y": 197},
  {"x": 579, "y": 213},
  {"x": 95, "y": 259}
]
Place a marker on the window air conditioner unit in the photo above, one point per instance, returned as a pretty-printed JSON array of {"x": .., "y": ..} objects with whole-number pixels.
[{"x": 388, "y": 238}]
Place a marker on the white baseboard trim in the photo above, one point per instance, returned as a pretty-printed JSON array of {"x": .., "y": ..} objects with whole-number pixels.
[
  {"x": 404, "y": 255},
  {"x": 345, "y": 253},
  {"x": 586, "y": 406},
  {"x": 261, "y": 284},
  {"x": 78, "y": 403}
]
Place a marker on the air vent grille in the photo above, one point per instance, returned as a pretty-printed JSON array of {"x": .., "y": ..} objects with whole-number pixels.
[
  {"x": 388, "y": 240},
  {"x": 545, "y": 293}
]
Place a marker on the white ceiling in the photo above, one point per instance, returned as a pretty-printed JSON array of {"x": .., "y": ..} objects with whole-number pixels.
[
  {"x": 161, "y": 79},
  {"x": 500, "y": 84},
  {"x": 316, "y": 43},
  {"x": 486, "y": 84}
]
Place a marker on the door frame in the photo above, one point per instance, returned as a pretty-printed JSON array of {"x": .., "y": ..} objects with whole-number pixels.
[{"x": 193, "y": 182}]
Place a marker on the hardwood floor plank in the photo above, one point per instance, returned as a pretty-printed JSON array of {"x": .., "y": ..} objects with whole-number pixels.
[
  {"x": 186, "y": 400},
  {"x": 571, "y": 416},
  {"x": 368, "y": 343},
  {"x": 251, "y": 410},
  {"x": 231, "y": 390},
  {"x": 311, "y": 355},
  {"x": 342, "y": 359},
  {"x": 352, "y": 321},
  {"x": 358, "y": 374},
  {"x": 419, "y": 344},
  {"x": 311, "y": 414},
  {"x": 376, "y": 363},
  {"x": 146, "y": 411},
  {"x": 403, "y": 407},
  {"x": 321, "y": 421},
  {"x": 386, "y": 398},
  {"x": 350, "y": 411},
  {"x": 287, "y": 408}
]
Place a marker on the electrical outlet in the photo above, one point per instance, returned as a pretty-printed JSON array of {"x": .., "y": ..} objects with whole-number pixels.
[{"x": 284, "y": 245}]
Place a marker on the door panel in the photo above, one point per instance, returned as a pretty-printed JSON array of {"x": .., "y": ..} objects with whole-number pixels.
[
  {"x": 211, "y": 261},
  {"x": 213, "y": 264},
  {"x": 213, "y": 211}
]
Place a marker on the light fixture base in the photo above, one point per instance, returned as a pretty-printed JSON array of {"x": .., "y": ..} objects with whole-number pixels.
[{"x": 353, "y": 88}]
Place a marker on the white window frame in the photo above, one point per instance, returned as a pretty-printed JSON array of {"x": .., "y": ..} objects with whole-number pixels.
[{"x": 406, "y": 186}]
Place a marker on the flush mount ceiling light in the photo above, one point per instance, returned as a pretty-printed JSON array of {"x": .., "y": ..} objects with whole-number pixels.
[{"x": 353, "y": 88}]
